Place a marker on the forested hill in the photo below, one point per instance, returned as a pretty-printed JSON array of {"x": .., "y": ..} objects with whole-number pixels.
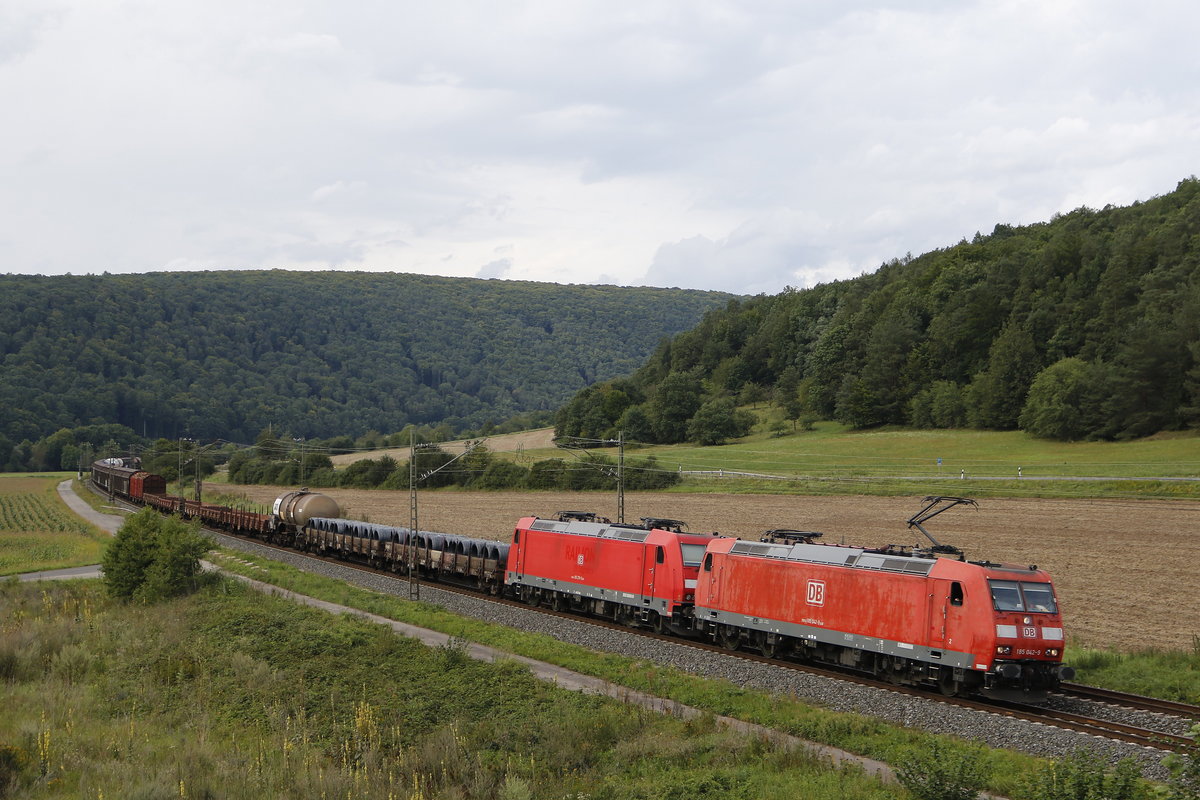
[
  {"x": 225, "y": 354},
  {"x": 1087, "y": 326}
]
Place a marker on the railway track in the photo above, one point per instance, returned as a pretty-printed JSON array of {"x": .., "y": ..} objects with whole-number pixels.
[
  {"x": 1135, "y": 701},
  {"x": 1093, "y": 725}
]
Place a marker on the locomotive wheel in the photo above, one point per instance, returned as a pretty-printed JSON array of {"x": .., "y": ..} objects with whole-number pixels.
[
  {"x": 886, "y": 669},
  {"x": 660, "y": 624},
  {"x": 556, "y": 602},
  {"x": 729, "y": 637},
  {"x": 769, "y": 646},
  {"x": 946, "y": 683}
]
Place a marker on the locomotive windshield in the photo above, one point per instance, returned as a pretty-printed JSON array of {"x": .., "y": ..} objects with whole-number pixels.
[
  {"x": 1023, "y": 596},
  {"x": 693, "y": 554}
]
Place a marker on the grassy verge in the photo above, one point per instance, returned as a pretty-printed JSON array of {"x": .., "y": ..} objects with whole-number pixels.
[
  {"x": 855, "y": 733},
  {"x": 832, "y": 459},
  {"x": 1168, "y": 674},
  {"x": 231, "y": 694},
  {"x": 37, "y": 532}
]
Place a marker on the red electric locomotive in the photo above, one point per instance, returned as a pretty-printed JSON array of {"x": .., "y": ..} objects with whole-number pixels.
[
  {"x": 909, "y": 616},
  {"x": 635, "y": 574}
]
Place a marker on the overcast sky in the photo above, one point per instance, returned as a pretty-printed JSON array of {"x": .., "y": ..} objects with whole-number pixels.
[{"x": 742, "y": 146}]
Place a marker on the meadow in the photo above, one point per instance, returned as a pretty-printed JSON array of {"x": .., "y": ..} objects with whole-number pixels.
[
  {"x": 37, "y": 532},
  {"x": 231, "y": 694},
  {"x": 833, "y": 459}
]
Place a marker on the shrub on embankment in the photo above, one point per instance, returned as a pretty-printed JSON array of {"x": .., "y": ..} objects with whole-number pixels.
[{"x": 153, "y": 557}]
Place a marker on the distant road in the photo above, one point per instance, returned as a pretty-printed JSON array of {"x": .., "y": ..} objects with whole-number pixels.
[
  {"x": 92, "y": 571},
  {"x": 105, "y": 522}
]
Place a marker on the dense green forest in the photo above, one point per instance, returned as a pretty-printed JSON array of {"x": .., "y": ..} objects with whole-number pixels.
[
  {"x": 318, "y": 354},
  {"x": 1084, "y": 327}
]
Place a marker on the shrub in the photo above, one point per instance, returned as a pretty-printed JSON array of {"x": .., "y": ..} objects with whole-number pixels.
[
  {"x": 1083, "y": 775},
  {"x": 940, "y": 773},
  {"x": 1184, "y": 768},
  {"x": 153, "y": 557}
]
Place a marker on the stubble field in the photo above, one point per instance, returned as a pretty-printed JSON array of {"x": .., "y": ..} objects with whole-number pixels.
[{"x": 1126, "y": 571}]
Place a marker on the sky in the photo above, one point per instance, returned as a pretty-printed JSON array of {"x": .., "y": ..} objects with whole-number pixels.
[{"x": 738, "y": 145}]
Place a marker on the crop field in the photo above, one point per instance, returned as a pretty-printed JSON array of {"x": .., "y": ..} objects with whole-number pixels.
[
  {"x": 1125, "y": 570},
  {"x": 37, "y": 532}
]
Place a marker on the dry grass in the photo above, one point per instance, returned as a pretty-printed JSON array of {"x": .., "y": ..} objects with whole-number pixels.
[{"x": 541, "y": 439}]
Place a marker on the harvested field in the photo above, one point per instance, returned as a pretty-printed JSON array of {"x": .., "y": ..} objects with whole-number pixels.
[{"x": 1126, "y": 571}]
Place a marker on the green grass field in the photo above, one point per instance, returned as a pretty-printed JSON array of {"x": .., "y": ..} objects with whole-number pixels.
[
  {"x": 834, "y": 459},
  {"x": 37, "y": 532},
  {"x": 232, "y": 694}
]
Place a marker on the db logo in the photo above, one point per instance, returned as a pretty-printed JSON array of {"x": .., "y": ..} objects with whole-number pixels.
[
  {"x": 816, "y": 593},
  {"x": 579, "y": 560}
]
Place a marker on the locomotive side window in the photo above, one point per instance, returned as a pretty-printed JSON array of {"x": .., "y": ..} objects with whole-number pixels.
[
  {"x": 660, "y": 555},
  {"x": 692, "y": 553},
  {"x": 1038, "y": 597},
  {"x": 956, "y": 594},
  {"x": 1006, "y": 596},
  {"x": 708, "y": 562}
]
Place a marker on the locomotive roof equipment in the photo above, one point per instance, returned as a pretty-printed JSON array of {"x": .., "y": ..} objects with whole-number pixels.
[
  {"x": 930, "y": 511},
  {"x": 789, "y": 536}
]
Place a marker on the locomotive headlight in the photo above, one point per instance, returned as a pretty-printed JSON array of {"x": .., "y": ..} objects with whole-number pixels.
[
  {"x": 1053, "y": 652},
  {"x": 1003, "y": 650},
  {"x": 1028, "y": 620}
]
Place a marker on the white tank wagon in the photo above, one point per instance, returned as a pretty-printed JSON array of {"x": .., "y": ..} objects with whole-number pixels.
[{"x": 293, "y": 510}]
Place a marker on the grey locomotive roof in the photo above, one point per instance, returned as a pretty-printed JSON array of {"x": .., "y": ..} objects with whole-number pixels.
[
  {"x": 835, "y": 555},
  {"x": 593, "y": 529}
]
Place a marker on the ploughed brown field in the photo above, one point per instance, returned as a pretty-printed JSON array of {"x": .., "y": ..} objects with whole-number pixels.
[{"x": 1127, "y": 572}]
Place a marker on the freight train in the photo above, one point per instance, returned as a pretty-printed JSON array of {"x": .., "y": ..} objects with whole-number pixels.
[{"x": 909, "y": 615}]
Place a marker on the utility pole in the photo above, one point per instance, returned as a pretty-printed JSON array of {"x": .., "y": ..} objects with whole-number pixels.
[
  {"x": 414, "y": 588},
  {"x": 621, "y": 477},
  {"x": 566, "y": 443}
]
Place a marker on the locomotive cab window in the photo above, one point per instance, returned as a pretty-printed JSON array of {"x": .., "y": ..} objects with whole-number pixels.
[
  {"x": 708, "y": 562},
  {"x": 956, "y": 594},
  {"x": 1039, "y": 597},
  {"x": 692, "y": 554},
  {"x": 660, "y": 555},
  {"x": 1006, "y": 596},
  {"x": 1023, "y": 596}
]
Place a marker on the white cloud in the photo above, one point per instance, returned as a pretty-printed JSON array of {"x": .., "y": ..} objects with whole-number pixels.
[{"x": 725, "y": 144}]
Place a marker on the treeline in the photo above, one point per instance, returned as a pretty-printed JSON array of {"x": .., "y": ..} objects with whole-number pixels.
[
  {"x": 280, "y": 463},
  {"x": 1084, "y": 327},
  {"x": 227, "y": 354},
  {"x": 72, "y": 448}
]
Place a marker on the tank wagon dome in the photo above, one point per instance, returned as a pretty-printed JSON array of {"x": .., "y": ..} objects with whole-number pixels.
[{"x": 298, "y": 507}]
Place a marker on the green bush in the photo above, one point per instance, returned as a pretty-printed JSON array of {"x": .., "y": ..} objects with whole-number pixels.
[
  {"x": 1083, "y": 775},
  {"x": 1184, "y": 783},
  {"x": 153, "y": 557},
  {"x": 940, "y": 773}
]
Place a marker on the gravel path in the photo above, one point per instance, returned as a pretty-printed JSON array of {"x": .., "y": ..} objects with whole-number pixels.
[{"x": 993, "y": 730}]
